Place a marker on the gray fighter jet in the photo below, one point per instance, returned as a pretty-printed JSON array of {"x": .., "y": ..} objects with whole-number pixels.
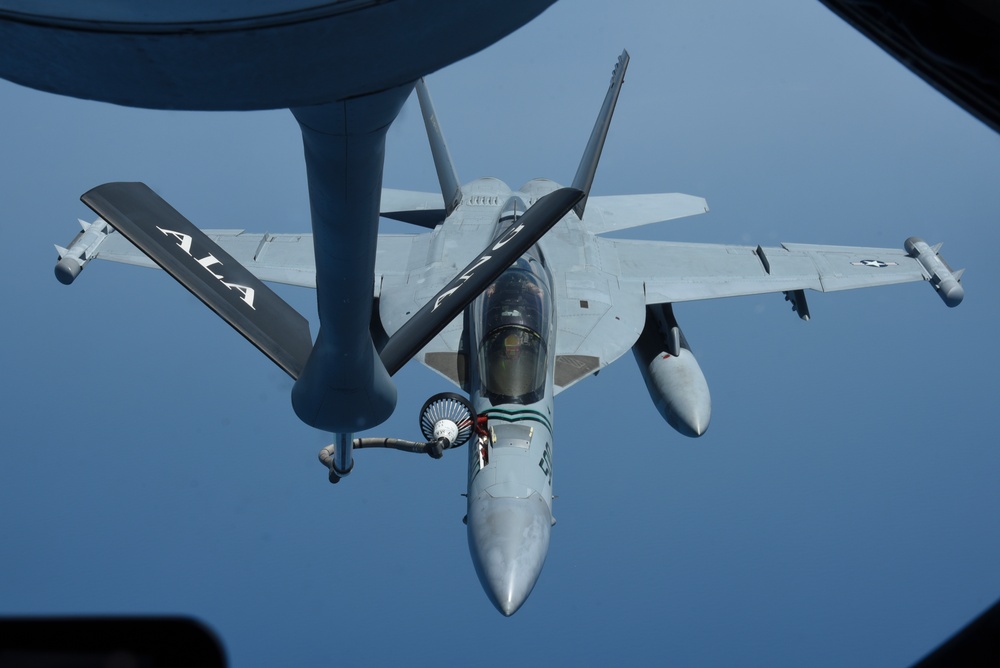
[{"x": 526, "y": 318}]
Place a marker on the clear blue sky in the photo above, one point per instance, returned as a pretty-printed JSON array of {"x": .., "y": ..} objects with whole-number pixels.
[{"x": 841, "y": 509}]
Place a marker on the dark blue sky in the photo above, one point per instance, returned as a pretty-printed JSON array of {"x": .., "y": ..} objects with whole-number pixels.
[{"x": 841, "y": 509}]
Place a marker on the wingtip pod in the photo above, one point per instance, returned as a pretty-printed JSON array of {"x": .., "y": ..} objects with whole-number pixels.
[
  {"x": 67, "y": 269},
  {"x": 947, "y": 283},
  {"x": 81, "y": 250}
]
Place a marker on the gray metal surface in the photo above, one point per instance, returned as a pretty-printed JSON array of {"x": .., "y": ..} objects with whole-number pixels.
[{"x": 583, "y": 301}]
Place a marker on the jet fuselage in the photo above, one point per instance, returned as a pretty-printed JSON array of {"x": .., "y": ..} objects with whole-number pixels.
[{"x": 510, "y": 467}]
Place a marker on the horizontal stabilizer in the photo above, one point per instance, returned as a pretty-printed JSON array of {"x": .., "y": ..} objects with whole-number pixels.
[
  {"x": 417, "y": 332},
  {"x": 416, "y": 208},
  {"x": 210, "y": 273},
  {"x": 610, "y": 213}
]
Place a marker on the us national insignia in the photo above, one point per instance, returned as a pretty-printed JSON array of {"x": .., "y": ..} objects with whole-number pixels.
[{"x": 873, "y": 263}]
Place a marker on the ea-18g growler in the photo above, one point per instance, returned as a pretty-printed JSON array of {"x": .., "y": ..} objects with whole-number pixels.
[{"x": 547, "y": 303}]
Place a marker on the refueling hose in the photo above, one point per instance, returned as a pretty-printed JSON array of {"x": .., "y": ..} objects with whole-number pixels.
[{"x": 432, "y": 448}]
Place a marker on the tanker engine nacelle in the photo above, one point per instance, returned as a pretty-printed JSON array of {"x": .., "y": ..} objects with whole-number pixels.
[{"x": 673, "y": 377}]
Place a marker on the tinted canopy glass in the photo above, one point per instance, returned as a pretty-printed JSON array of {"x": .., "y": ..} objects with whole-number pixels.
[{"x": 513, "y": 354}]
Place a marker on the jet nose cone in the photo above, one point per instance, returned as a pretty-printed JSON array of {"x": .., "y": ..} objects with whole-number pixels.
[{"x": 508, "y": 539}]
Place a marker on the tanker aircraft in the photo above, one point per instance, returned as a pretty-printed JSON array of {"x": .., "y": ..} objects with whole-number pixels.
[{"x": 524, "y": 320}]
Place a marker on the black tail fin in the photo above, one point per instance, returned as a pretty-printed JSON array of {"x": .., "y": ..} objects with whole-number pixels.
[
  {"x": 210, "y": 273},
  {"x": 592, "y": 155}
]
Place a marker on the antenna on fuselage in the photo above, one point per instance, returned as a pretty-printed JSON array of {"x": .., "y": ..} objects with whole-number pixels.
[
  {"x": 592, "y": 155},
  {"x": 451, "y": 189}
]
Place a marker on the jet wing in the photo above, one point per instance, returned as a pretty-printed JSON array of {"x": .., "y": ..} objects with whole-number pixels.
[
  {"x": 279, "y": 258},
  {"x": 276, "y": 258},
  {"x": 603, "y": 293},
  {"x": 610, "y": 213},
  {"x": 289, "y": 259},
  {"x": 677, "y": 272},
  {"x": 408, "y": 270},
  {"x": 402, "y": 268}
]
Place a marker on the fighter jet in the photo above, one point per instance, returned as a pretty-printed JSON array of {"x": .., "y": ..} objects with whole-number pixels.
[
  {"x": 548, "y": 302},
  {"x": 343, "y": 68}
]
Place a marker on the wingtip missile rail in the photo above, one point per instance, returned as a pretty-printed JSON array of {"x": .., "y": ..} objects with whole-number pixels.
[
  {"x": 81, "y": 250},
  {"x": 946, "y": 282}
]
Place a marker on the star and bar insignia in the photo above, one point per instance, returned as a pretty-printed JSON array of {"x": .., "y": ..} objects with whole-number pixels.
[{"x": 873, "y": 263}]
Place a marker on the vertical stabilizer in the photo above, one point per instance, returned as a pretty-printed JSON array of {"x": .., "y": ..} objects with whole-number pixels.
[
  {"x": 451, "y": 190},
  {"x": 592, "y": 155}
]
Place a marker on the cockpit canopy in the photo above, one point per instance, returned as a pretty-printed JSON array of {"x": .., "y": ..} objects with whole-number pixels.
[{"x": 516, "y": 315}]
